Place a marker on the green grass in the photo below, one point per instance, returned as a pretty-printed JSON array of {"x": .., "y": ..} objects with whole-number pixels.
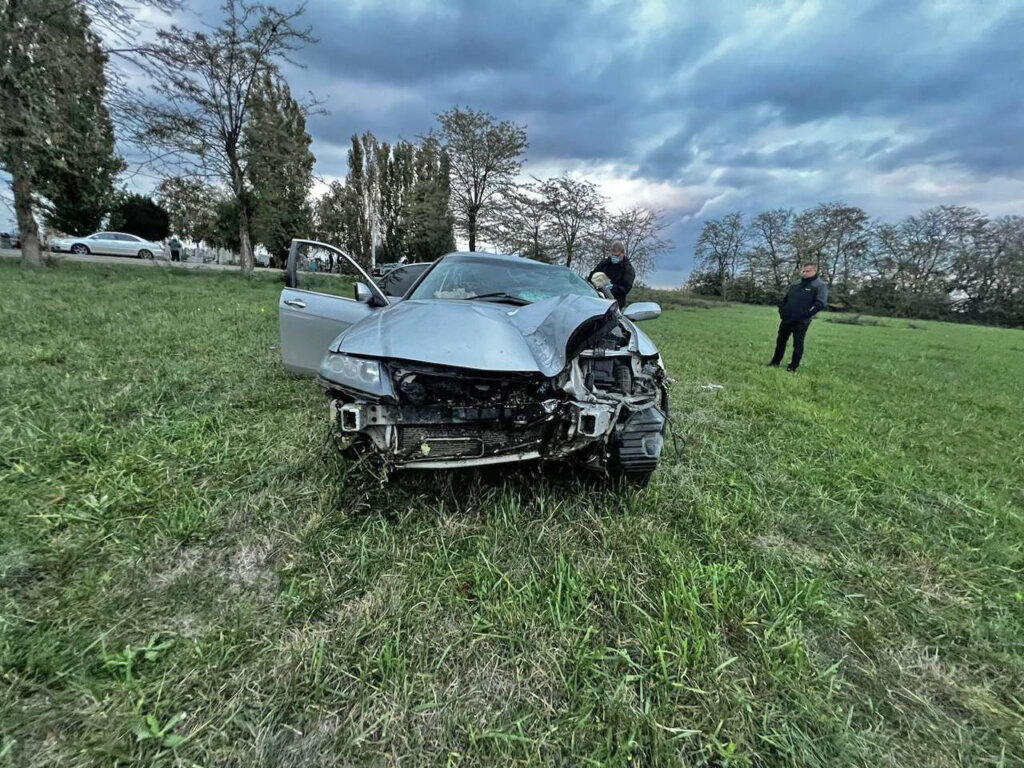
[{"x": 829, "y": 573}]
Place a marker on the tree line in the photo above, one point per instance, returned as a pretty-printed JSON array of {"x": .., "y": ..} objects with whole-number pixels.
[
  {"x": 219, "y": 124},
  {"x": 409, "y": 200},
  {"x": 947, "y": 263}
]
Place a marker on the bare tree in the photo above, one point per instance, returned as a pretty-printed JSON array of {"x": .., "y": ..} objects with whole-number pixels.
[
  {"x": 772, "y": 258},
  {"x": 577, "y": 213},
  {"x": 640, "y": 230},
  {"x": 206, "y": 84},
  {"x": 720, "y": 248},
  {"x": 521, "y": 224},
  {"x": 485, "y": 156},
  {"x": 810, "y": 234}
]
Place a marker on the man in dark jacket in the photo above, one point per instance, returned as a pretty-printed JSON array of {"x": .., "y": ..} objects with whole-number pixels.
[
  {"x": 619, "y": 271},
  {"x": 801, "y": 303}
]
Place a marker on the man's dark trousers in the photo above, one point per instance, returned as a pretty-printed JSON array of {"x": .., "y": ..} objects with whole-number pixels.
[{"x": 797, "y": 330}]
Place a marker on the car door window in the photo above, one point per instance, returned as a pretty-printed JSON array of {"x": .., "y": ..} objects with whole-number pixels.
[
  {"x": 321, "y": 268},
  {"x": 398, "y": 281}
]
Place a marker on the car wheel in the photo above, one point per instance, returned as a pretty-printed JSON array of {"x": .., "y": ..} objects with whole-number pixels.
[
  {"x": 79, "y": 249},
  {"x": 145, "y": 254}
]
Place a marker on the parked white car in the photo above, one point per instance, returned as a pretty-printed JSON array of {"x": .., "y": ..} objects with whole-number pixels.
[{"x": 109, "y": 244}]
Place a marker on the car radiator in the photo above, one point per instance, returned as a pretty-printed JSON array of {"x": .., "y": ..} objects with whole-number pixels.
[{"x": 422, "y": 442}]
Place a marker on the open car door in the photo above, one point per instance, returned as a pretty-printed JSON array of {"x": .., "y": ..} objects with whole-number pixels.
[{"x": 326, "y": 292}]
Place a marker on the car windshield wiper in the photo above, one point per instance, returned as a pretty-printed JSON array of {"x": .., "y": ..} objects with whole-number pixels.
[{"x": 499, "y": 296}]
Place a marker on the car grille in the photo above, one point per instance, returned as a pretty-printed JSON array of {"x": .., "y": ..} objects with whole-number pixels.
[{"x": 433, "y": 442}]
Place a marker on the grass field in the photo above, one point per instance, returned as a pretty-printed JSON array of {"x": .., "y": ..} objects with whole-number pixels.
[{"x": 828, "y": 573}]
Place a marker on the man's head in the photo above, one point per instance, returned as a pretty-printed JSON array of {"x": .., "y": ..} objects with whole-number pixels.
[
  {"x": 808, "y": 271},
  {"x": 618, "y": 252}
]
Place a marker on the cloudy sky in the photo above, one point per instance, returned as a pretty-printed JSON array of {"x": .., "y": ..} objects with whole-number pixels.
[{"x": 696, "y": 108}]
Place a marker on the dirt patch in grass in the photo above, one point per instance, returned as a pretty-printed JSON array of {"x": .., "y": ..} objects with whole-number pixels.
[
  {"x": 245, "y": 566},
  {"x": 792, "y": 550}
]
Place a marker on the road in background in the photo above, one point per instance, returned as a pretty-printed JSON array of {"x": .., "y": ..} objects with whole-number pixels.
[{"x": 97, "y": 259}]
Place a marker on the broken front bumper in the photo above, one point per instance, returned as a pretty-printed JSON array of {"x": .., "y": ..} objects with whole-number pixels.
[{"x": 436, "y": 437}]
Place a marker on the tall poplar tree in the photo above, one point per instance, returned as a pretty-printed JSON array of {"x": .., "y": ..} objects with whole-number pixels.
[{"x": 280, "y": 169}]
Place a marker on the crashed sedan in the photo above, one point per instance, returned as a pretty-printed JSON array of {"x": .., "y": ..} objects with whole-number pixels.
[{"x": 487, "y": 359}]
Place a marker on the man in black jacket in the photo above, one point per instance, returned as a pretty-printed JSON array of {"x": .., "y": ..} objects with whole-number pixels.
[
  {"x": 801, "y": 303},
  {"x": 619, "y": 271}
]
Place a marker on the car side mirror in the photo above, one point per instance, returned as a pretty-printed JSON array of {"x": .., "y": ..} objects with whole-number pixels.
[
  {"x": 642, "y": 310},
  {"x": 363, "y": 294}
]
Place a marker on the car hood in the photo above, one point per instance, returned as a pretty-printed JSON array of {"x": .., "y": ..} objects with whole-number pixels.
[{"x": 479, "y": 335}]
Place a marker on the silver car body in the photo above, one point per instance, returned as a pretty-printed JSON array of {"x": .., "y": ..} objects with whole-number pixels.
[
  {"x": 108, "y": 244},
  {"x": 464, "y": 383}
]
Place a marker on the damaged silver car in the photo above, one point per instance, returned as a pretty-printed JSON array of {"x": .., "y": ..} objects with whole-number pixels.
[{"x": 487, "y": 359}]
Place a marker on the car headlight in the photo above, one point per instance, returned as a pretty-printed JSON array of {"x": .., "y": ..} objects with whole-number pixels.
[{"x": 355, "y": 373}]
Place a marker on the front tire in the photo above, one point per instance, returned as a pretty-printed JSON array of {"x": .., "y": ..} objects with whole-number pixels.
[
  {"x": 80, "y": 250},
  {"x": 145, "y": 254}
]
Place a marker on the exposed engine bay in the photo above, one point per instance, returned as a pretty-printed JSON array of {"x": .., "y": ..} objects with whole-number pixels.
[{"x": 607, "y": 409}]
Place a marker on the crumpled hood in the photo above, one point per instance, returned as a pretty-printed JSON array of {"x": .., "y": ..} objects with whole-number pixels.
[{"x": 480, "y": 335}]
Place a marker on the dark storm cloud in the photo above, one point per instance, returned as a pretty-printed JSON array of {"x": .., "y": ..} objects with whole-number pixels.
[{"x": 755, "y": 105}]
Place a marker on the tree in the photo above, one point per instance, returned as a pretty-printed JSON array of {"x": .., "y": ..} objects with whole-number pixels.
[
  {"x": 772, "y": 259},
  {"x": 520, "y": 224},
  {"x": 430, "y": 230},
  {"x": 360, "y": 203},
  {"x": 77, "y": 177},
  {"x": 280, "y": 169},
  {"x": 576, "y": 211},
  {"x": 329, "y": 214},
  {"x": 720, "y": 249},
  {"x": 191, "y": 206},
  {"x": 640, "y": 230},
  {"x": 485, "y": 157},
  {"x": 395, "y": 177},
  {"x": 224, "y": 231},
  {"x": 50, "y": 62},
  {"x": 206, "y": 87},
  {"x": 844, "y": 232},
  {"x": 139, "y": 215}
]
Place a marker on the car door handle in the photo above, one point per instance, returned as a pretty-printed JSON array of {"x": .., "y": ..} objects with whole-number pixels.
[{"x": 295, "y": 303}]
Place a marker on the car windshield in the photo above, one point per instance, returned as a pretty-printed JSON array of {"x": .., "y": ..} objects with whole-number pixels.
[{"x": 500, "y": 280}]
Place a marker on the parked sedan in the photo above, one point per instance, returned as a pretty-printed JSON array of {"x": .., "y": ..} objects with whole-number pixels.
[
  {"x": 109, "y": 244},
  {"x": 488, "y": 359}
]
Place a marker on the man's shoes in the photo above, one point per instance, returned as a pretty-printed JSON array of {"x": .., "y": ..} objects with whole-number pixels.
[
  {"x": 791, "y": 368},
  {"x": 773, "y": 364}
]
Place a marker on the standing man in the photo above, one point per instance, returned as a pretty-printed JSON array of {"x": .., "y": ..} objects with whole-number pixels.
[
  {"x": 619, "y": 271},
  {"x": 801, "y": 303},
  {"x": 175, "y": 246}
]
